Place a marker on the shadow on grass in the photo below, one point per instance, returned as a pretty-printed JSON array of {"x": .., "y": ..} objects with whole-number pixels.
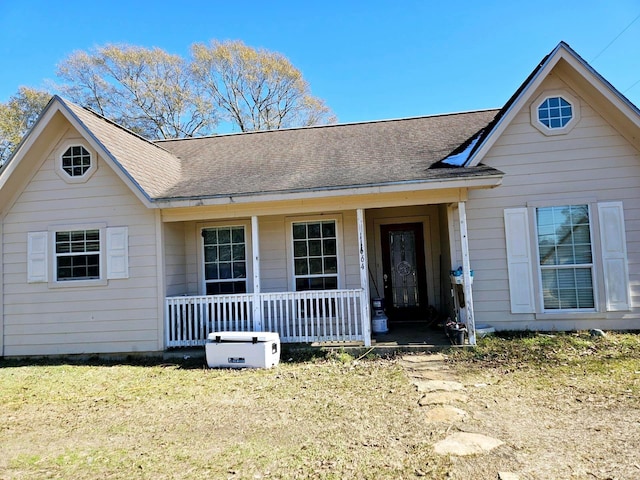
[{"x": 187, "y": 359}]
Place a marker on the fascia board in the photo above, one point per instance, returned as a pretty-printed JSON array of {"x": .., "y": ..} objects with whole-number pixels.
[
  {"x": 474, "y": 182},
  {"x": 515, "y": 107},
  {"x": 27, "y": 142},
  {"x": 119, "y": 170},
  {"x": 565, "y": 53}
]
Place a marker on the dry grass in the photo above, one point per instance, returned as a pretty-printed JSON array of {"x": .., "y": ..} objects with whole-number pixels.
[
  {"x": 329, "y": 418},
  {"x": 566, "y": 406}
]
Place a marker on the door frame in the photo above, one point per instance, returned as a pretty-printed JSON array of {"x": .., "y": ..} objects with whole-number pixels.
[{"x": 428, "y": 248}]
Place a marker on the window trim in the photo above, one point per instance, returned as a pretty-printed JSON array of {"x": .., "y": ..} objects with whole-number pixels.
[
  {"x": 202, "y": 284},
  {"x": 596, "y": 258},
  {"x": 62, "y": 149},
  {"x": 53, "y": 277},
  {"x": 289, "y": 221},
  {"x": 540, "y": 268},
  {"x": 548, "y": 131}
]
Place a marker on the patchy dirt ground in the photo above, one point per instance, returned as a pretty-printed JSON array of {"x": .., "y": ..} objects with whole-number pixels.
[{"x": 570, "y": 418}]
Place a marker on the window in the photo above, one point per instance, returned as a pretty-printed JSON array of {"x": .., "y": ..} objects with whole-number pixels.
[
  {"x": 225, "y": 260},
  {"x": 555, "y": 112},
  {"x": 315, "y": 255},
  {"x": 76, "y": 160},
  {"x": 565, "y": 257},
  {"x": 77, "y": 255},
  {"x": 567, "y": 253}
]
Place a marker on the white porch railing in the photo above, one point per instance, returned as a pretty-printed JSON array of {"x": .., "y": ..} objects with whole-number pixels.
[{"x": 311, "y": 316}]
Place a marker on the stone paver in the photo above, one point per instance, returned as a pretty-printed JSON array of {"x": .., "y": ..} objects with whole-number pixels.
[
  {"x": 431, "y": 376},
  {"x": 463, "y": 443},
  {"x": 441, "y": 398},
  {"x": 507, "y": 476},
  {"x": 445, "y": 413},
  {"x": 438, "y": 385}
]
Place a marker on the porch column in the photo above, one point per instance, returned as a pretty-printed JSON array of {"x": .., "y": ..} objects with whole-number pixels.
[
  {"x": 466, "y": 272},
  {"x": 255, "y": 255},
  {"x": 364, "y": 278}
]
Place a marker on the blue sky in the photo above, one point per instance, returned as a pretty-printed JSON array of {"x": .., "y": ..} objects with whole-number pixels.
[{"x": 368, "y": 60}]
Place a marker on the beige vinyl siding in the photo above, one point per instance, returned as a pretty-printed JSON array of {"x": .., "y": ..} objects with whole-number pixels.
[
  {"x": 273, "y": 254},
  {"x": 121, "y": 316},
  {"x": 274, "y": 261},
  {"x": 592, "y": 163},
  {"x": 175, "y": 258}
]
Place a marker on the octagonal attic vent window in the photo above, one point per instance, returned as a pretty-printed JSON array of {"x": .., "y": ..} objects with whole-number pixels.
[
  {"x": 76, "y": 161},
  {"x": 555, "y": 112}
]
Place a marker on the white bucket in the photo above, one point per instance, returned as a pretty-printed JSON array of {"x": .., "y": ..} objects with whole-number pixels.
[{"x": 379, "y": 323}]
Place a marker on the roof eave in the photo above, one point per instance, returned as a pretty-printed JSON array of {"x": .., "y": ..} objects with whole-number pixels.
[
  {"x": 561, "y": 51},
  {"x": 472, "y": 182},
  {"x": 117, "y": 167}
]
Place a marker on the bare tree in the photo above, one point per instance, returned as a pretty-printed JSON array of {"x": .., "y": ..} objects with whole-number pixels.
[
  {"x": 146, "y": 90},
  {"x": 256, "y": 89}
]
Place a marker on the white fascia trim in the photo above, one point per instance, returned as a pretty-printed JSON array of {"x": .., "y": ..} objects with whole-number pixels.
[
  {"x": 588, "y": 73},
  {"x": 606, "y": 89},
  {"x": 106, "y": 155},
  {"x": 406, "y": 186},
  {"x": 515, "y": 107},
  {"x": 27, "y": 142}
]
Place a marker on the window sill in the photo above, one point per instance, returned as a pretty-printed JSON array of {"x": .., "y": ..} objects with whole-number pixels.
[
  {"x": 570, "y": 315},
  {"x": 78, "y": 283}
]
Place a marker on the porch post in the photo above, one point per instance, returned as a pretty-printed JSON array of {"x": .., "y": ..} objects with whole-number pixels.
[
  {"x": 466, "y": 272},
  {"x": 364, "y": 278},
  {"x": 255, "y": 255}
]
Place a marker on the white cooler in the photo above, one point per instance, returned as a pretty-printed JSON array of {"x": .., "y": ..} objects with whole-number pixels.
[{"x": 243, "y": 349}]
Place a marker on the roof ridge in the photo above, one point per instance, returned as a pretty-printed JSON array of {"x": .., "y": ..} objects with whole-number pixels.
[{"x": 331, "y": 125}]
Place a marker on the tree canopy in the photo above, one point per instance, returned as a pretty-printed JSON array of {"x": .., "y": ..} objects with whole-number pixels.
[
  {"x": 160, "y": 95},
  {"x": 255, "y": 89},
  {"x": 17, "y": 116},
  {"x": 149, "y": 91}
]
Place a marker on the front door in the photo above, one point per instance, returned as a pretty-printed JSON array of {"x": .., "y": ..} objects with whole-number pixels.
[{"x": 404, "y": 272}]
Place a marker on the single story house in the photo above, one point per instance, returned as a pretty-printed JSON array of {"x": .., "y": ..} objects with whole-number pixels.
[{"x": 112, "y": 243}]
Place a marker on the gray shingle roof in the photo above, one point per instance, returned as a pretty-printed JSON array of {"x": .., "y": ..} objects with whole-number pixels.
[
  {"x": 330, "y": 156},
  {"x": 302, "y": 159},
  {"x": 149, "y": 165}
]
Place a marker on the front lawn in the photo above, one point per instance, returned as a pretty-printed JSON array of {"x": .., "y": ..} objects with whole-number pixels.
[{"x": 566, "y": 406}]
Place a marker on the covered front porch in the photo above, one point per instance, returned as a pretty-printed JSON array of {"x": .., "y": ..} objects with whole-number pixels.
[{"x": 276, "y": 284}]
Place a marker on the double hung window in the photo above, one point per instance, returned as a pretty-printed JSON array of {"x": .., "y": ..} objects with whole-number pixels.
[
  {"x": 565, "y": 257},
  {"x": 225, "y": 260},
  {"x": 315, "y": 255},
  {"x": 77, "y": 255}
]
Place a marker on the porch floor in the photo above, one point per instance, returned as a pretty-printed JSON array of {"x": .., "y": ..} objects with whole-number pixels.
[
  {"x": 410, "y": 336},
  {"x": 401, "y": 337}
]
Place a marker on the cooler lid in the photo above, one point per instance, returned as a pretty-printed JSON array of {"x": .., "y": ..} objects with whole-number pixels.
[{"x": 243, "y": 337}]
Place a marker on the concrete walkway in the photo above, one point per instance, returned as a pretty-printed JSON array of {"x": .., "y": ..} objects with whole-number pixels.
[{"x": 443, "y": 398}]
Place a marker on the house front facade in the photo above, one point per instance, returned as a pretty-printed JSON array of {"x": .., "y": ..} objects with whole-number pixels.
[{"x": 112, "y": 244}]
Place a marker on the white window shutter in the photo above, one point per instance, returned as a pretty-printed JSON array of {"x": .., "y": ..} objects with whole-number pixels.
[
  {"x": 614, "y": 256},
  {"x": 516, "y": 225},
  {"x": 117, "y": 253},
  {"x": 37, "y": 265}
]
